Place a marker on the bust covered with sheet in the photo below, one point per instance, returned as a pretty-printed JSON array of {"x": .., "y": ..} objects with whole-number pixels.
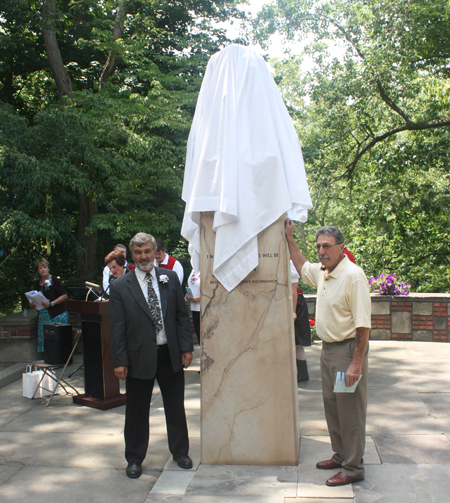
[{"x": 244, "y": 162}]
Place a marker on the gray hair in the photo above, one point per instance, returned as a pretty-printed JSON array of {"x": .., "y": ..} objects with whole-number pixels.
[
  {"x": 140, "y": 239},
  {"x": 331, "y": 231}
]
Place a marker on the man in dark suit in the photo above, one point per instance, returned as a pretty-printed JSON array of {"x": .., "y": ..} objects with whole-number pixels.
[{"x": 150, "y": 339}]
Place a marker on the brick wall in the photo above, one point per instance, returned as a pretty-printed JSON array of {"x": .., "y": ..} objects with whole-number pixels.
[
  {"x": 416, "y": 317},
  {"x": 16, "y": 325},
  {"x": 18, "y": 337},
  {"x": 19, "y": 331}
]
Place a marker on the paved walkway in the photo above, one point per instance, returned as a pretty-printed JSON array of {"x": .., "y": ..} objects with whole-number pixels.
[{"x": 68, "y": 453}]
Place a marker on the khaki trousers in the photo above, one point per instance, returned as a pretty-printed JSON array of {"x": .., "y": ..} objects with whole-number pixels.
[{"x": 345, "y": 412}]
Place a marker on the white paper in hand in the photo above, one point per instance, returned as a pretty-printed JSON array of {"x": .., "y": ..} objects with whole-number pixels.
[
  {"x": 340, "y": 384},
  {"x": 37, "y": 298}
]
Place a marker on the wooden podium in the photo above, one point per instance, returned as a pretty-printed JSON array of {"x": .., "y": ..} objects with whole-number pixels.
[{"x": 102, "y": 388}]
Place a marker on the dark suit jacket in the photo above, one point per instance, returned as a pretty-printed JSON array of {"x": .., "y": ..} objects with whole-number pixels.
[{"x": 132, "y": 331}]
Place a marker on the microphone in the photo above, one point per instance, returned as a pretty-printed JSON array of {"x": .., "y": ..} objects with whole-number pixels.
[{"x": 90, "y": 285}]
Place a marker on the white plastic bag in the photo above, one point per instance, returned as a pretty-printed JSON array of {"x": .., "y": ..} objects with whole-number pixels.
[
  {"x": 30, "y": 382},
  {"x": 48, "y": 384},
  {"x": 31, "y": 379}
]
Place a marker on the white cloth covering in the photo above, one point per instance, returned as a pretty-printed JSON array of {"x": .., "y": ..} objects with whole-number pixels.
[{"x": 244, "y": 162}]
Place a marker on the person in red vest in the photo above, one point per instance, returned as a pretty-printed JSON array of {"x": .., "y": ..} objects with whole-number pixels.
[
  {"x": 165, "y": 261},
  {"x": 349, "y": 255}
]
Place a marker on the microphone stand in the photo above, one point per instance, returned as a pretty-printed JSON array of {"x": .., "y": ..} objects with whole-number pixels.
[{"x": 90, "y": 286}]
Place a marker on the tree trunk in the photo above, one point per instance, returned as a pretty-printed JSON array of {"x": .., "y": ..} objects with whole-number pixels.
[
  {"x": 62, "y": 79},
  {"x": 8, "y": 87},
  {"x": 117, "y": 32},
  {"x": 86, "y": 263}
]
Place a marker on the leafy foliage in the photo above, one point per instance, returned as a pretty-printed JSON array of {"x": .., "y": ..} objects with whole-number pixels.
[
  {"x": 115, "y": 146},
  {"x": 373, "y": 126}
]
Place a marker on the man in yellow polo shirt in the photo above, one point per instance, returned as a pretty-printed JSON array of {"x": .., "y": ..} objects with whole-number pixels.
[{"x": 343, "y": 317}]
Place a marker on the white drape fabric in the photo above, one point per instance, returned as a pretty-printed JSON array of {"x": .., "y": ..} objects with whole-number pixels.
[{"x": 244, "y": 162}]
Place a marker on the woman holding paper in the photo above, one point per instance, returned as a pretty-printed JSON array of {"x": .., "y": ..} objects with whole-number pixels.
[{"x": 54, "y": 310}]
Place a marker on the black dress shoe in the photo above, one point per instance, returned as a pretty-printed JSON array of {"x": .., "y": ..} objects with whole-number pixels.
[
  {"x": 183, "y": 462},
  {"x": 302, "y": 371},
  {"x": 134, "y": 470}
]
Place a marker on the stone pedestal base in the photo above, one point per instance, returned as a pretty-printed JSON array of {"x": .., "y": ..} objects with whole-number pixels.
[{"x": 248, "y": 377}]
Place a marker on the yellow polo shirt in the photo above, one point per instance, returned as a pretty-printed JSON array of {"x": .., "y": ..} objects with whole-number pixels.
[{"x": 343, "y": 299}]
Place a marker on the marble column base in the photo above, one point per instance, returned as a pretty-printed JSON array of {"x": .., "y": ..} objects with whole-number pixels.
[{"x": 248, "y": 372}]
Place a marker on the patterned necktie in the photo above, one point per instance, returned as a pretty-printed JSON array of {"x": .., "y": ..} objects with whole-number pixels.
[{"x": 153, "y": 304}]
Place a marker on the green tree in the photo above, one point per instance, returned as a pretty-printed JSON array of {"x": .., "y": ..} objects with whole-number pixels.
[
  {"x": 374, "y": 126},
  {"x": 93, "y": 130}
]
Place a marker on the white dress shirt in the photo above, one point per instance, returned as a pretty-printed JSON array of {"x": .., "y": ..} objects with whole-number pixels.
[
  {"x": 140, "y": 275},
  {"x": 294, "y": 274},
  {"x": 193, "y": 283},
  {"x": 106, "y": 274}
]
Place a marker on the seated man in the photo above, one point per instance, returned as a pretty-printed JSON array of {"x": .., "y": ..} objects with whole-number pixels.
[{"x": 165, "y": 261}]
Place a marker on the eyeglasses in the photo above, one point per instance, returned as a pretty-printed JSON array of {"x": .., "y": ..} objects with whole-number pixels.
[{"x": 326, "y": 247}]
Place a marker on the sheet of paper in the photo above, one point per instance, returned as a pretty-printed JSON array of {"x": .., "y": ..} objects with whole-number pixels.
[
  {"x": 340, "y": 384},
  {"x": 37, "y": 298}
]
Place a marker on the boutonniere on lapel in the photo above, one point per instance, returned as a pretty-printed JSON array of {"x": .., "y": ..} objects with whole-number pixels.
[{"x": 164, "y": 279}]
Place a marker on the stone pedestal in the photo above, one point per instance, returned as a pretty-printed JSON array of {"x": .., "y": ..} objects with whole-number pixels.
[{"x": 248, "y": 372}]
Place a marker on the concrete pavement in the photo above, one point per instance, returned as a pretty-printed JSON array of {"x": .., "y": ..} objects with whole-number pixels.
[{"x": 69, "y": 453}]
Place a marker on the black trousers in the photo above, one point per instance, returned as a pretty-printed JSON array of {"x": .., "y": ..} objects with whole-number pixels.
[
  {"x": 196, "y": 321},
  {"x": 301, "y": 324},
  {"x": 137, "y": 411}
]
